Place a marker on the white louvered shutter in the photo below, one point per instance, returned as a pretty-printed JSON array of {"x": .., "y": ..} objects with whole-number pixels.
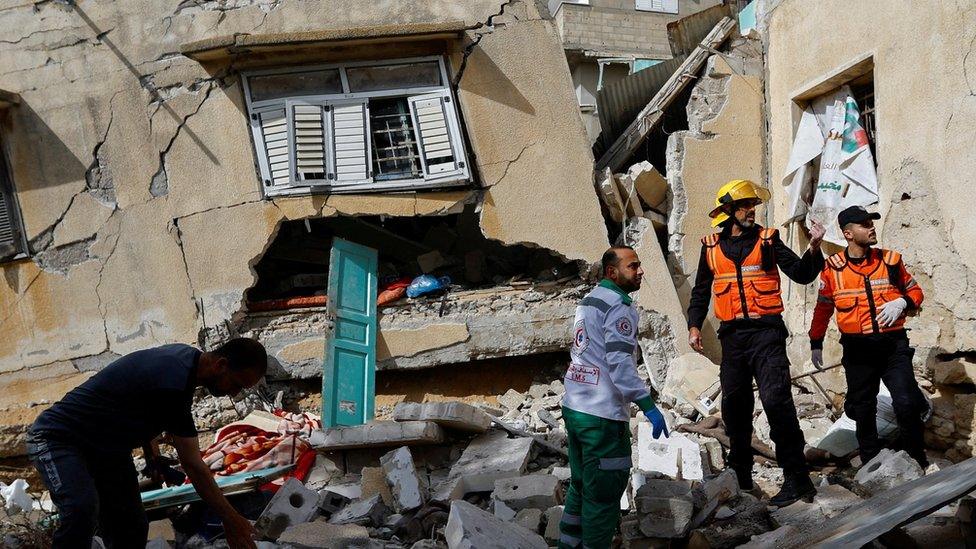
[
  {"x": 309, "y": 138},
  {"x": 350, "y": 141},
  {"x": 438, "y": 135},
  {"x": 270, "y": 127},
  {"x": 662, "y": 6}
]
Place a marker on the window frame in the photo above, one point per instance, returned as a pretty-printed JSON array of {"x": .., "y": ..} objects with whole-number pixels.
[
  {"x": 296, "y": 187},
  {"x": 9, "y": 190},
  {"x": 677, "y": 7}
]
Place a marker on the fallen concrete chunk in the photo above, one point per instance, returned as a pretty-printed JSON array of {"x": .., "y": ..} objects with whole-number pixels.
[
  {"x": 362, "y": 512},
  {"x": 887, "y": 470},
  {"x": 381, "y": 434},
  {"x": 562, "y": 473},
  {"x": 530, "y": 519},
  {"x": 331, "y": 502},
  {"x": 628, "y": 194},
  {"x": 651, "y": 185},
  {"x": 712, "y": 493},
  {"x": 610, "y": 194},
  {"x": 468, "y": 527},
  {"x": 693, "y": 379},
  {"x": 512, "y": 399},
  {"x": 553, "y": 515},
  {"x": 749, "y": 517},
  {"x": 528, "y": 492},
  {"x": 665, "y": 517},
  {"x": 450, "y": 415},
  {"x": 292, "y": 504},
  {"x": 664, "y": 488},
  {"x": 372, "y": 481},
  {"x": 502, "y": 511},
  {"x": 829, "y": 502},
  {"x": 488, "y": 458},
  {"x": 322, "y": 535},
  {"x": 676, "y": 456},
  {"x": 401, "y": 476},
  {"x": 322, "y": 473}
]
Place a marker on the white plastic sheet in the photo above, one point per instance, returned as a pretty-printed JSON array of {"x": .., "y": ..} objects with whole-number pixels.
[{"x": 15, "y": 497}]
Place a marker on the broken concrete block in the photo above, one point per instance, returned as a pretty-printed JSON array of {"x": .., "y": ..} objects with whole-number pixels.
[
  {"x": 887, "y": 470},
  {"x": 528, "y": 492},
  {"x": 676, "y": 456},
  {"x": 322, "y": 535},
  {"x": 954, "y": 372},
  {"x": 651, "y": 186},
  {"x": 529, "y": 519},
  {"x": 401, "y": 476},
  {"x": 502, "y": 511},
  {"x": 663, "y": 488},
  {"x": 372, "y": 481},
  {"x": 292, "y": 504},
  {"x": 468, "y": 527},
  {"x": 322, "y": 473},
  {"x": 562, "y": 473},
  {"x": 557, "y": 388},
  {"x": 490, "y": 457},
  {"x": 431, "y": 261},
  {"x": 450, "y": 415},
  {"x": 381, "y": 434},
  {"x": 610, "y": 194},
  {"x": 831, "y": 500},
  {"x": 331, "y": 502},
  {"x": 632, "y": 203},
  {"x": 512, "y": 399},
  {"x": 349, "y": 490},
  {"x": 365, "y": 511},
  {"x": 693, "y": 379},
  {"x": 665, "y": 517},
  {"x": 712, "y": 493},
  {"x": 553, "y": 515}
]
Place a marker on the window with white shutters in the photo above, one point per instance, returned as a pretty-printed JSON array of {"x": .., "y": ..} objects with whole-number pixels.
[
  {"x": 12, "y": 242},
  {"x": 662, "y": 6},
  {"x": 316, "y": 128}
]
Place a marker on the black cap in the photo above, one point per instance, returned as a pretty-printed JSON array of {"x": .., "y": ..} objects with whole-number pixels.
[{"x": 855, "y": 214}]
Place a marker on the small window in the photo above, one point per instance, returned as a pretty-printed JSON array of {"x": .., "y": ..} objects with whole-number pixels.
[
  {"x": 12, "y": 242},
  {"x": 355, "y": 128},
  {"x": 661, "y": 6}
]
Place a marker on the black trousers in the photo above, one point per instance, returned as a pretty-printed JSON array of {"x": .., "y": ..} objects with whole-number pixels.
[
  {"x": 867, "y": 361},
  {"x": 90, "y": 491},
  {"x": 760, "y": 354}
]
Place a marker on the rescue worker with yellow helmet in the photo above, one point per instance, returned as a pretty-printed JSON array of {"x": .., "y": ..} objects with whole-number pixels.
[{"x": 739, "y": 267}]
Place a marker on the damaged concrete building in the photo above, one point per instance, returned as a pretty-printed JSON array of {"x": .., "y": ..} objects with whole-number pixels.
[{"x": 162, "y": 180}]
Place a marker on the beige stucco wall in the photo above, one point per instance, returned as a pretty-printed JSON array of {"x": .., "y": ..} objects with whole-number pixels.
[
  {"x": 925, "y": 92},
  {"x": 106, "y": 94}
]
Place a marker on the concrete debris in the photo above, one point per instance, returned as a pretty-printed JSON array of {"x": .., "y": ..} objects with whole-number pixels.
[
  {"x": 372, "y": 481},
  {"x": 693, "y": 379},
  {"x": 530, "y": 519},
  {"x": 676, "y": 456},
  {"x": 665, "y": 517},
  {"x": 401, "y": 475},
  {"x": 887, "y": 470},
  {"x": 488, "y": 458},
  {"x": 365, "y": 511},
  {"x": 562, "y": 473},
  {"x": 553, "y": 516},
  {"x": 321, "y": 473},
  {"x": 712, "y": 493},
  {"x": 378, "y": 434},
  {"x": 610, "y": 195},
  {"x": 651, "y": 186},
  {"x": 528, "y": 492},
  {"x": 323, "y": 535},
  {"x": 830, "y": 501},
  {"x": 292, "y": 504},
  {"x": 469, "y": 527},
  {"x": 450, "y": 415},
  {"x": 331, "y": 502}
]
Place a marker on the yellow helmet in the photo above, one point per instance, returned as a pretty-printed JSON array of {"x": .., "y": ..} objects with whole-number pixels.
[{"x": 735, "y": 190}]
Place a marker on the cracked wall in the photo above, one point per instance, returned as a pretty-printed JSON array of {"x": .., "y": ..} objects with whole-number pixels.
[
  {"x": 135, "y": 171},
  {"x": 724, "y": 141},
  {"x": 925, "y": 100}
]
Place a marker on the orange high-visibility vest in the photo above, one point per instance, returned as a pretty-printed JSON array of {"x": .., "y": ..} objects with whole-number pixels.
[
  {"x": 746, "y": 290},
  {"x": 859, "y": 294}
]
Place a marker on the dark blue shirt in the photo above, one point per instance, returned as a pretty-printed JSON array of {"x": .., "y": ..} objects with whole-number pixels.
[{"x": 129, "y": 402}]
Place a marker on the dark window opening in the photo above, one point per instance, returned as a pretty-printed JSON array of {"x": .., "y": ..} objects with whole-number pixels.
[
  {"x": 12, "y": 241},
  {"x": 395, "y": 154},
  {"x": 296, "y": 264},
  {"x": 862, "y": 90}
]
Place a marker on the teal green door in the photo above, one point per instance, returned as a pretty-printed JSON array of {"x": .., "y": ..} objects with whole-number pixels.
[{"x": 349, "y": 372}]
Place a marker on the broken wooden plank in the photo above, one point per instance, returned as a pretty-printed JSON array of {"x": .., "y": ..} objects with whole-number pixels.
[
  {"x": 650, "y": 116},
  {"x": 888, "y": 510}
]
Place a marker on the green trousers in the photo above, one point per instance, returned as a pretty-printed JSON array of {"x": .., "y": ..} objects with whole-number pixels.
[{"x": 599, "y": 464}]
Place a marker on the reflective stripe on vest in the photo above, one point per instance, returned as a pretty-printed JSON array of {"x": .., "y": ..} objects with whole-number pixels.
[
  {"x": 860, "y": 291},
  {"x": 746, "y": 290}
]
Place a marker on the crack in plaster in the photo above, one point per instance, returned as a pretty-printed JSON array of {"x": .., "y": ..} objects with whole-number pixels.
[
  {"x": 508, "y": 163},
  {"x": 965, "y": 68},
  {"x": 159, "y": 184},
  {"x": 489, "y": 27}
]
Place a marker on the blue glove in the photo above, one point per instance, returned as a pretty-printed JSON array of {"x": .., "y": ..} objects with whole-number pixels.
[{"x": 657, "y": 420}]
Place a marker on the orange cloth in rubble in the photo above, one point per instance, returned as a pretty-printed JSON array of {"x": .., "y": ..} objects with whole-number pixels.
[
  {"x": 743, "y": 291},
  {"x": 240, "y": 447},
  {"x": 858, "y": 290}
]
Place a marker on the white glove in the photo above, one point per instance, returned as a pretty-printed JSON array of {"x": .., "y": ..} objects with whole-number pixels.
[
  {"x": 891, "y": 311},
  {"x": 816, "y": 355}
]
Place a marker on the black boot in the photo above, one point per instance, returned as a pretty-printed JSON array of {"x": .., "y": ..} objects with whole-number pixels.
[{"x": 795, "y": 488}]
